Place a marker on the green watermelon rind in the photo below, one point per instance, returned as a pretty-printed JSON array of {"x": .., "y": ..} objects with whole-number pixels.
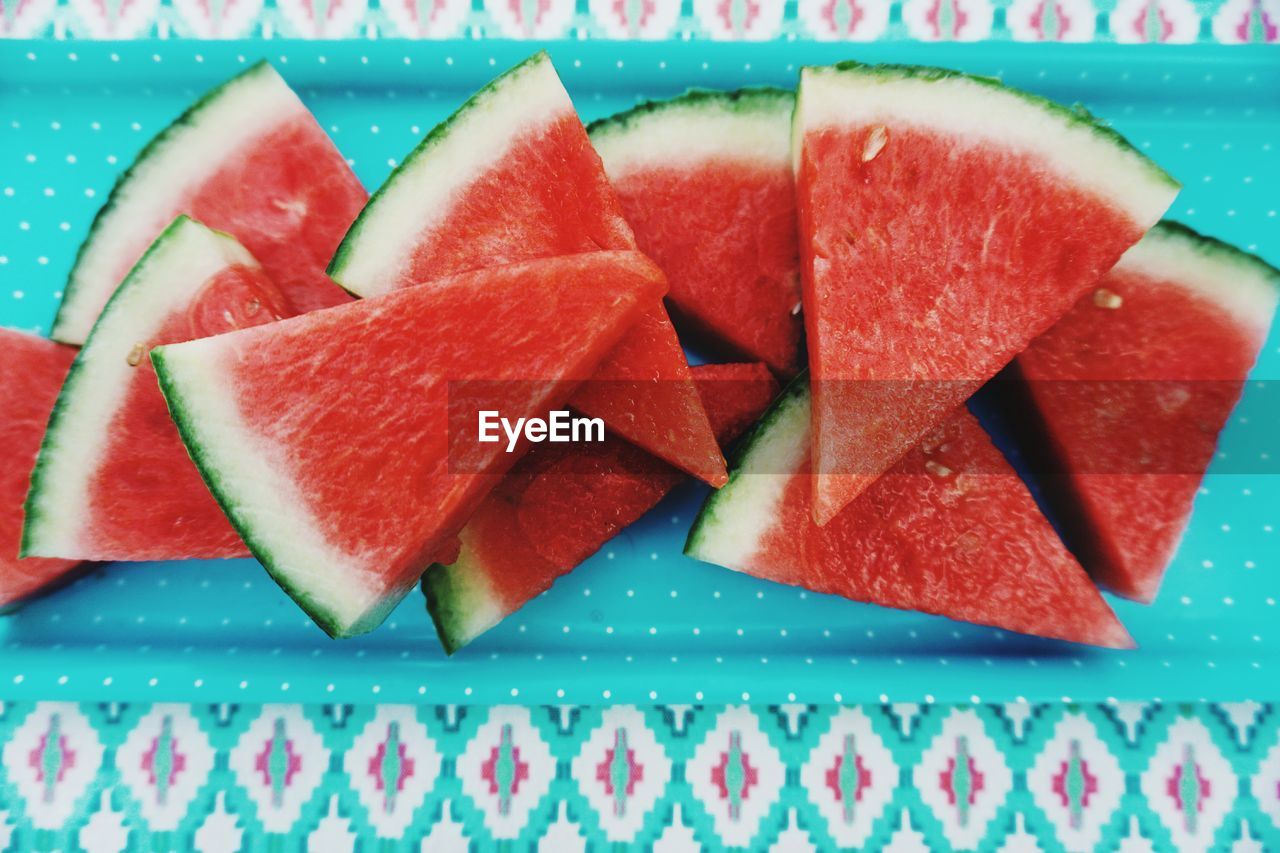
[
  {"x": 180, "y": 409},
  {"x": 721, "y": 506},
  {"x": 697, "y": 127},
  {"x": 1240, "y": 284},
  {"x": 1217, "y": 251},
  {"x": 35, "y": 516},
  {"x": 455, "y": 595},
  {"x": 750, "y": 100},
  {"x": 1212, "y": 247},
  {"x": 404, "y": 171},
  {"x": 188, "y": 119},
  {"x": 1073, "y": 116}
]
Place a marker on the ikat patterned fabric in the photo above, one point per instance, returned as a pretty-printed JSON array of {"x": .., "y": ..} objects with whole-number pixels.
[
  {"x": 1126, "y": 21},
  {"x": 904, "y": 777}
]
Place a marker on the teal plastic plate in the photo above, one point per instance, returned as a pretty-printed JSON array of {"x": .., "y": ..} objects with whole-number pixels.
[{"x": 638, "y": 622}]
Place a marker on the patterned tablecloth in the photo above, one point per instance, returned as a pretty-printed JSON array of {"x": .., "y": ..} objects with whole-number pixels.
[
  {"x": 1019, "y": 777},
  {"x": 1129, "y": 21},
  {"x": 1014, "y": 778}
]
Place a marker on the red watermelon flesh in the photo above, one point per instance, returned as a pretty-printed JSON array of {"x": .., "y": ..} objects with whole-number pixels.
[
  {"x": 705, "y": 182},
  {"x": 289, "y": 211},
  {"x": 1133, "y": 386},
  {"x": 547, "y": 197},
  {"x": 34, "y": 370},
  {"x": 249, "y": 159},
  {"x": 137, "y": 496},
  {"x": 512, "y": 177},
  {"x": 346, "y": 505},
  {"x": 146, "y": 481},
  {"x": 935, "y": 246},
  {"x": 561, "y": 503},
  {"x": 950, "y": 530}
]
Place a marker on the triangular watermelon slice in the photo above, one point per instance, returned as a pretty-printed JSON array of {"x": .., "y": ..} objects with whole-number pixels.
[
  {"x": 705, "y": 182},
  {"x": 1133, "y": 387},
  {"x": 511, "y": 176},
  {"x": 33, "y": 372},
  {"x": 113, "y": 481},
  {"x": 950, "y": 530},
  {"x": 247, "y": 158},
  {"x": 342, "y": 443},
  {"x": 561, "y": 503},
  {"x": 945, "y": 221}
]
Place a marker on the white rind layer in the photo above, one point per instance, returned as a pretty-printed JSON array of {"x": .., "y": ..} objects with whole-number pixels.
[
  {"x": 747, "y": 506},
  {"x": 476, "y": 597},
  {"x": 254, "y": 486},
  {"x": 1240, "y": 284},
  {"x": 175, "y": 268},
  {"x": 985, "y": 113},
  {"x": 483, "y": 615},
  {"x": 681, "y": 135},
  {"x": 245, "y": 109},
  {"x": 418, "y": 197}
]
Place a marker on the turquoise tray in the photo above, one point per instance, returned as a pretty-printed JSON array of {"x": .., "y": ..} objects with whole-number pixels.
[{"x": 638, "y": 622}]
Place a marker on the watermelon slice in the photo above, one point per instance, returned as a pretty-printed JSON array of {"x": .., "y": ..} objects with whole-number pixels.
[
  {"x": 34, "y": 370},
  {"x": 705, "y": 182},
  {"x": 247, "y": 158},
  {"x": 950, "y": 530},
  {"x": 512, "y": 176},
  {"x": 346, "y": 505},
  {"x": 1133, "y": 387},
  {"x": 113, "y": 481},
  {"x": 945, "y": 221},
  {"x": 561, "y": 503}
]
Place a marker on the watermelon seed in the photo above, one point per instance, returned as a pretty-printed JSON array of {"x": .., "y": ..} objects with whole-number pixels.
[
  {"x": 877, "y": 139},
  {"x": 937, "y": 469},
  {"x": 1104, "y": 298},
  {"x": 252, "y": 307}
]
